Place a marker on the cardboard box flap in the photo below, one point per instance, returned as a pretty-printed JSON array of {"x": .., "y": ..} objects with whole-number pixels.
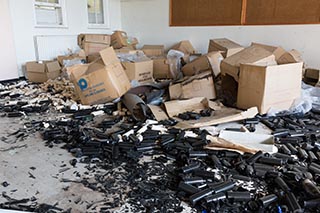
[
  {"x": 293, "y": 56},
  {"x": 158, "y": 112},
  {"x": 225, "y": 44},
  {"x": 250, "y": 55},
  {"x": 197, "y": 77},
  {"x": 53, "y": 66},
  {"x": 185, "y": 47},
  {"x": 226, "y": 47},
  {"x": 152, "y": 47},
  {"x": 109, "y": 56},
  {"x": 215, "y": 58},
  {"x": 196, "y": 66},
  {"x": 277, "y": 51},
  {"x": 35, "y": 67},
  {"x": 118, "y": 79}
]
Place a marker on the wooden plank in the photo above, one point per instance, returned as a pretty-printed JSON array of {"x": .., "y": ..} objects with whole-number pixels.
[
  {"x": 205, "y": 12},
  {"x": 243, "y": 12}
]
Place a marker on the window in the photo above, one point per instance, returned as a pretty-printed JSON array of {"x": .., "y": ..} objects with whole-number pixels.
[
  {"x": 50, "y": 13},
  {"x": 97, "y": 13},
  {"x": 243, "y": 12}
]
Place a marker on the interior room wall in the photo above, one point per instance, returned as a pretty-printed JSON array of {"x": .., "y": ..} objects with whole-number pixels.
[
  {"x": 23, "y": 22},
  {"x": 148, "y": 20},
  {"x": 8, "y": 60}
]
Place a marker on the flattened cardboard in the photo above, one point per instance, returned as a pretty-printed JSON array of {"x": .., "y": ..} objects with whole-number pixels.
[
  {"x": 254, "y": 141},
  {"x": 210, "y": 61},
  {"x": 277, "y": 51},
  {"x": 161, "y": 68},
  {"x": 293, "y": 56},
  {"x": 250, "y": 55},
  {"x": 98, "y": 82},
  {"x": 269, "y": 87},
  {"x": 41, "y": 72},
  {"x": 201, "y": 85},
  {"x": 153, "y": 50},
  {"x": 141, "y": 71},
  {"x": 158, "y": 113},
  {"x": 195, "y": 104},
  {"x": 225, "y": 46},
  {"x": 224, "y": 115},
  {"x": 185, "y": 47}
]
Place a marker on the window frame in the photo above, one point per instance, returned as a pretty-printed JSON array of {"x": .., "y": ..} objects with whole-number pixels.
[
  {"x": 61, "y": 4},
  {"x": 106, "y": 17}
]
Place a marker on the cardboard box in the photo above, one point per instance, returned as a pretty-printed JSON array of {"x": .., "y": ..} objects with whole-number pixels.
[
  {"x": 312, "y": 77},
  {"x": 120, "y": 39},
  {"x": 93, "y": 43},
  {"x": 225, "y": 46},
  {"x": 210, "y": 61},
  {"x": 293, "y": 56},
  {"x": 101, "y": 81},
  {"x": 269, "y": 87},
  {"x": 153, "y": 50},
  {"x": 201, "y": 85},
  {"x": 93, "y": 38},
  {"x": 251, "y": 55},
  {"x": 277, "y": 51},
  {"x": 161, "y": 68},
  {"x": 185, "y": 47},
  {"x": 40, "y": 72},
  {"x": 141, "y": 71},
  {"x": 126, "y": 50},
  {"x": 313, "y": 74},
  {"x": 94, "y": 48},
  {"x": 62, "y": 58}
]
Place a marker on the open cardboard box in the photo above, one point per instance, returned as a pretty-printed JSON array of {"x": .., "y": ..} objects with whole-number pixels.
[
  {"x": 41, "y": 71},
  {"x": 100, "y": 81},
  {"x": 269, "y": 87}
]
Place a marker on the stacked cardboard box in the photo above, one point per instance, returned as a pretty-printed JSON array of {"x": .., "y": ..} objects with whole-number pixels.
[{"x": 92, "y": 44}]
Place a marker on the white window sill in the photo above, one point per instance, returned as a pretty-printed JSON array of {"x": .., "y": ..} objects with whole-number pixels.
[
  {"x": 52, "y": 26},
  {"x": 98, "y": 26}
]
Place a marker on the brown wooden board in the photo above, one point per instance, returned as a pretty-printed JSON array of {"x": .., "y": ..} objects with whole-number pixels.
[
  {"x": 259, "y": 12},
  {"x": 205, "y": 12}
]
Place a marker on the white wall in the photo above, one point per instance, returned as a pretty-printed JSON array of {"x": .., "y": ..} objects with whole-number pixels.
[
  {"x": 8, "y": 62},
  {"x": 22, "y": 13},
  {"x": 149, "y": 21}
]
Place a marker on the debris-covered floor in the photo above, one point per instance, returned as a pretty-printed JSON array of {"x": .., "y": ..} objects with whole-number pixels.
[{"x": 97, "y": 160}]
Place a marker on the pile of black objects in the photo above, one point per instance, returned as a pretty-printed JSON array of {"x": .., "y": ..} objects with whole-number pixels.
[
  {"x": 224, "y": 181},
  {"x": 29, "y": 205}
]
